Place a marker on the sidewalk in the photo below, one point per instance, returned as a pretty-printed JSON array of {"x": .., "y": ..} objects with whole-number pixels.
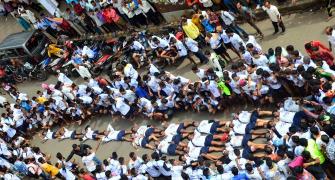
[{"x": 9, "y": 25}]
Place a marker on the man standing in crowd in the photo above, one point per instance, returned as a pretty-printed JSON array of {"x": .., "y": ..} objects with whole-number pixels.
[
  {"x": 246, "y": 14},
  {"x": 331, "y": 37},
  {"x": 274, "y": 16}
]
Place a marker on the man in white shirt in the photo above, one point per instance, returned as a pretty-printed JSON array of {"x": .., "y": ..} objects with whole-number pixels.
[
  {"x": 330, "y": 32},
  {"x": 83, "y": 71},
  {"x": 182, "y": 51},
  {"x": 229, "y": 21},
  {"x": 64, "y": 79},
  {"x": 193, "y": 47},
  {"x": 201, "y": 73},
  {"x": 259, "y": 60},
  {"x": 274, "y": 16}
]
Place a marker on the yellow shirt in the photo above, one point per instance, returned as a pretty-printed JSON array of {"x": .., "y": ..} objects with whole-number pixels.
[
  {"x": 54, "y": 50},
  {"x": 50, "y": 169},
  {"x": 196, "y": 21},
  {"x": 191, "y": 30},
  {"x": 41, "y": 100}
]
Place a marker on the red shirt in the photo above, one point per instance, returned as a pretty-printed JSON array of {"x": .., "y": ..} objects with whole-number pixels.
[
  {"x": 2, "y": 73},
  {"x": 317, "y": 44},
  {"x": 110, "y": 15},
  {"x": 325, "y": 56},
  {"x": 87, "y": 177},
  {"x": 189, "y": 2},
  {"x": 78, "y": 9}
]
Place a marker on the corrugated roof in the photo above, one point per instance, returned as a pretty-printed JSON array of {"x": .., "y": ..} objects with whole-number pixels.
[{"x": 15, "y": 40}]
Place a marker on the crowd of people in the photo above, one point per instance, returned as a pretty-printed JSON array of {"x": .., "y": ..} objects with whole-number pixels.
[
  {"x": 295, "y": 140},
  {"x": 99, "y": 17},
  {"x": 283, "y": 138}
]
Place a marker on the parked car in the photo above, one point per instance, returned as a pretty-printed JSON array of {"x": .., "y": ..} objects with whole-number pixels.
[{"x": 29, "y": 46}]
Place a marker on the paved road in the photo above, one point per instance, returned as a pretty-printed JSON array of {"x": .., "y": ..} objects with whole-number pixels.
[{"x": 300, "y": 29}]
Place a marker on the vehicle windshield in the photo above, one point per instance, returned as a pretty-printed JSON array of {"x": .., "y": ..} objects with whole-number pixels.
[{"x": 33, "y": 42}]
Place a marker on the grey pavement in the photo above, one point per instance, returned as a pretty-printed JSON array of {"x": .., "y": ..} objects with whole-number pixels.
[
  {"x": 301, "y": 28},
  {"x": 8, "y": 25}
]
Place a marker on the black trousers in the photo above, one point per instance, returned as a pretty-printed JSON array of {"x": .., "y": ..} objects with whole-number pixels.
[
  {"x": 153, "y": 17},
  {"x": 280, "y": 24},
  {"x": 141, "y": 19},
  {"x": 329, "y": 7}
]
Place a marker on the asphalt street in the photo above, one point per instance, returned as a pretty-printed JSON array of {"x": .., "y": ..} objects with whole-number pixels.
[{"x": 300, "y": 28}]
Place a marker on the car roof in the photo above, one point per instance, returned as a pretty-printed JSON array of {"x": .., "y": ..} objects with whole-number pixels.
[{"x": 16, "y": 40}]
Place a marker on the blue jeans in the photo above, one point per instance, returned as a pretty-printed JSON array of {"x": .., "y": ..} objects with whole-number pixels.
[
  {"x": 97, "y": 160},
  {"x": 259, "y": 2},
  {"x": 238, "y": 30},
  {"x": 230, "y": 4}
]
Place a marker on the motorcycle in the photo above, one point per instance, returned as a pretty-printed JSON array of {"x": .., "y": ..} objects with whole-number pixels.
[{"x": 27, "y": 71}]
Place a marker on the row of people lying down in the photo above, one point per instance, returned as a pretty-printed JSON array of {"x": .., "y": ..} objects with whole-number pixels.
[
  {"x": 292, "y": 134},
  {"x": 295, "y": 139}
]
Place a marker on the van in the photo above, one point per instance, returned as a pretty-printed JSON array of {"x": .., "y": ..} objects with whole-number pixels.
[{"x": 28, "y": 46}]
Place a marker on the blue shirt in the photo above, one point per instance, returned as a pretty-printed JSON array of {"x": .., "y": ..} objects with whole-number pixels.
[
  {"x": 241, "y": 176},
  {"x": 208, "y": 27},
  {"x": 21, "y": 167},
  {"x": 140, "y": 92}
]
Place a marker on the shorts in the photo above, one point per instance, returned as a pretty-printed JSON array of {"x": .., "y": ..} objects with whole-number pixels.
[
  {"x": 73, "y": 135},
  {"x": 208, "y": 140},
  {"x": 254, "y": 116},
  {"x": 120, "y": 135},
  {"x": 252, "y": 124},
  {"x": 245, "y": 140},
  {"x": 204, "y": 150},
  {"x": 148, "y": 132},
  {"x": 95, "y": 134},
  {"x": 214, "y": 126},
  {"x": 180, "y": 127},
  {"x": 172, "y": 149},
  {"x": 297, "y": 118},
  {"x": 54, "y": 135},
  {"x": 229, "y": 45},
  {"x": 220, "y": 50},
  {"x": 176, "y": 138},
  {"x": 144, "y": 142},
  {"x": 246, "y": 152}
]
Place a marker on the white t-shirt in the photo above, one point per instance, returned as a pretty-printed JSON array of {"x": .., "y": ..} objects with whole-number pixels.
[
  {"x": 198, "y": 139},
  {"x": 176, "y": 172},
  {"x": 67, "y": 134},
  {"x": 88, "y": 162},
  {"x": 244, "y": 116},
  {"x": 163, "y": 146},
  {"x": 191, "y": 44},
  {"x": 331, "y": 38},
  {"x": 252, "y": 40},
  {"x": 121, "y": 106},
  {"x": 201, "y": 73},
  {"x": 171, "y": 129},
  {"x": 261, "y": 61},
  {"x": 213, "y": 88},
  {"x": 182, "y": 51},
  {"x": 239, "y": 127},
  {"x": 286, "y": 116},
  {"x": 272, "y": 12},
  {"x": 204, "y": 126},
  {"x": 67, "y": 174},
  {"x": 206, "y": 3},
  {"x": 227, "y": 18},
  {"x": 64, "y": 79},
  {"x": 237, "y": 41}
]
